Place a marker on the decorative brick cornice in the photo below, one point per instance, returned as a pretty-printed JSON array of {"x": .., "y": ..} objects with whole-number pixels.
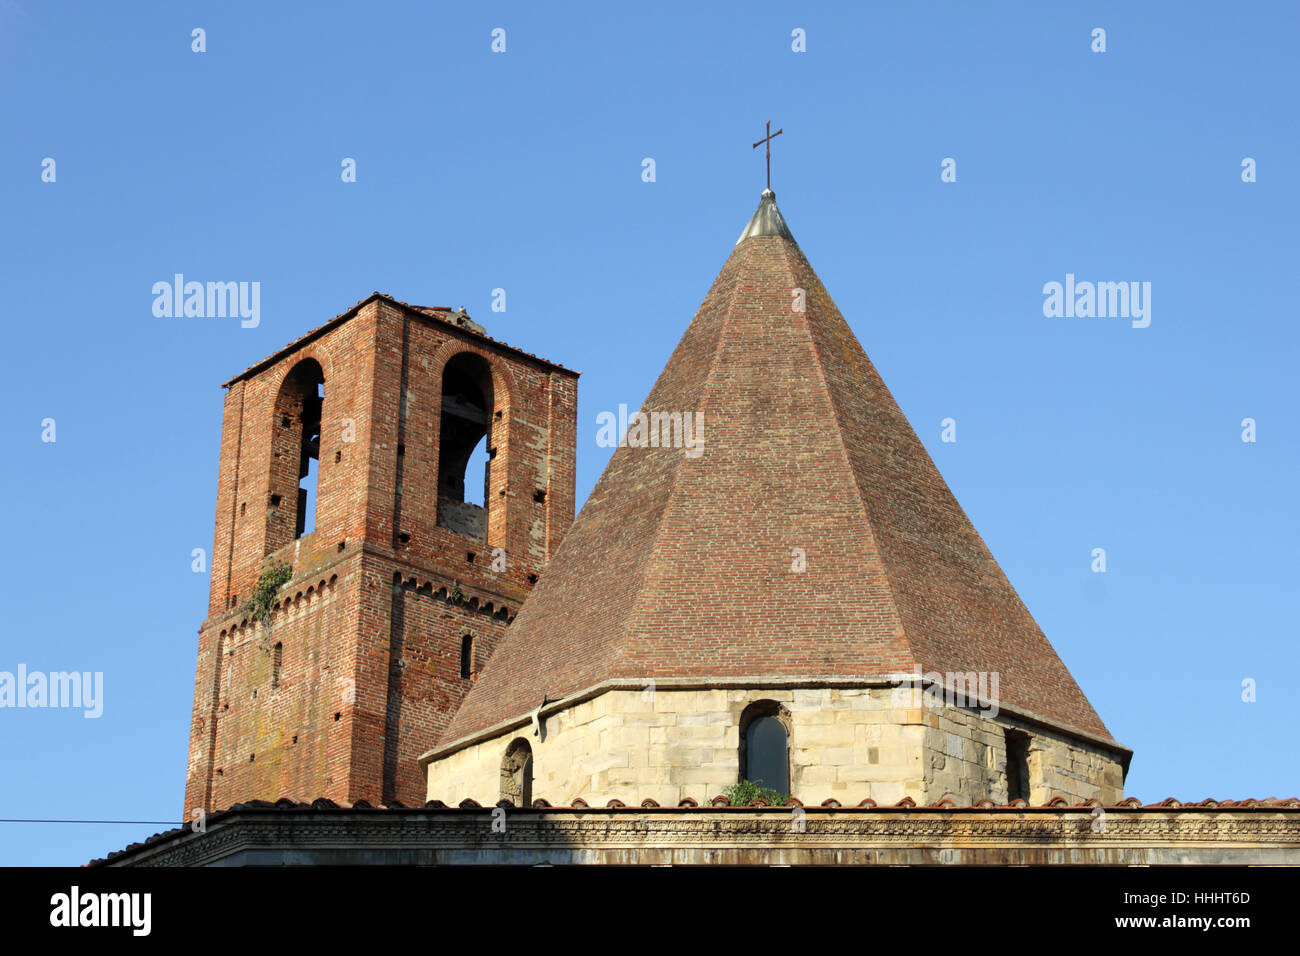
[
  {"x": 238, "y": 621},
  {"x": 471, "y": 602}
]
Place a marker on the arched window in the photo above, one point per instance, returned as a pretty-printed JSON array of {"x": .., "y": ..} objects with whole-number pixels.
[
  {"x": 765, "y": 745},
  {"x": 465, "y": 446},
  {"x": 277, "y": 660},
  {"x": 517, "y": 773},
  {"x": 295, "y": 454}
]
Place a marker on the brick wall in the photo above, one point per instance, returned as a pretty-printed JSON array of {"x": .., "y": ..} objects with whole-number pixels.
[{"x": 371, "y": 621}]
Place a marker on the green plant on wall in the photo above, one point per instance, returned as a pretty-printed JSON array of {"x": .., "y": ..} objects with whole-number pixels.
[
  {"x": 269, "y": 582},
  {"x": 746, "y": 792}
]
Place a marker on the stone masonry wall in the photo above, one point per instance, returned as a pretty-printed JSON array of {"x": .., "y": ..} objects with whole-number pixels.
[
  {"x": 966, "y": 761},
  {"x": 847, "y": 743}
]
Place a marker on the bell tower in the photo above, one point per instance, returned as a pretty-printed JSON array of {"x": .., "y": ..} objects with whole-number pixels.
[{"x": 391, "y": 485}]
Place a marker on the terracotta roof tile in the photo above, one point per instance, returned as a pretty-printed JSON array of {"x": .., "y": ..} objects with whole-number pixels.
[{"x": 719, "y": 804}]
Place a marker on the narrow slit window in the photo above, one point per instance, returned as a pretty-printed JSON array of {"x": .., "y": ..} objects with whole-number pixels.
[
  {"x": 1017, "y": 765},
  {"x": 467, "y": 656}
]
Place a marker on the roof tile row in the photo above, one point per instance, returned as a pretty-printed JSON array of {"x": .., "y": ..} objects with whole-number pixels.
[{"x": 721, "y": 802}]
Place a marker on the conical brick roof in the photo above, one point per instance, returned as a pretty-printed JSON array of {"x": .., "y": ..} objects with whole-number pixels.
[{"x": 682, "y": 567}]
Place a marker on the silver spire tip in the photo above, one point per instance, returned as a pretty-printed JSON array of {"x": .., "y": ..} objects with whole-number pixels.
[{"x": 767, "y": 220}]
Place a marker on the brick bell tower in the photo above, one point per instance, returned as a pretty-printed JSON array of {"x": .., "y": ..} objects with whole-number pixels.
[{"x": 344, "y": 456}]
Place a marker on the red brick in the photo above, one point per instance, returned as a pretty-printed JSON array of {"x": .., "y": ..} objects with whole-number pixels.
[{"x": 370, "y": 671}]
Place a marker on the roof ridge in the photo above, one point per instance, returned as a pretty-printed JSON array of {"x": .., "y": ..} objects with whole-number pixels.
[
  {"x": 844, "y": 450},
  {"x": 681, "y": 466}
]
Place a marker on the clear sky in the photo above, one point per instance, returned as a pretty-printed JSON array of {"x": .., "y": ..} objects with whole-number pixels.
[{"x": 522, "y": 170}]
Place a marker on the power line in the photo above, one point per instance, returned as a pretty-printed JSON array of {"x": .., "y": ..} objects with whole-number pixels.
[{"x": 148, "y": 822}]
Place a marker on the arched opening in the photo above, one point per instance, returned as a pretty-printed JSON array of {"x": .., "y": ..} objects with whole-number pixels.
[
  {"x": 465, "y": 446},
  {"x": 765, "y": 745},
  {"x": 277, "y": 659},
  {"x": 517, "y": 773},
  {"x": 295, "y": 454}
]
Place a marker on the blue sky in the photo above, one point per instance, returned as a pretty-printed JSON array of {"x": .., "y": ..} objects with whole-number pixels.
[{"x": 522, "y": 170}]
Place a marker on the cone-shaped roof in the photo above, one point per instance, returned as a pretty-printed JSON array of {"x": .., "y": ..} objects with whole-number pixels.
[{"x": 684, "y": 565}]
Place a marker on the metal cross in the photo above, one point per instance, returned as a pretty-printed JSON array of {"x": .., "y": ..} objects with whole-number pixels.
[{"x": 768, "y": 140}]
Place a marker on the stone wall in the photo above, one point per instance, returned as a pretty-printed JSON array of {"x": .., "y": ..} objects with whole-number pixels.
[
  {"x": 966, "y": 761},
  {"x": 847, "y": 743}
]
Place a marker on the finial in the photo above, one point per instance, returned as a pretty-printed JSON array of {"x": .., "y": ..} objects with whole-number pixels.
[
  {"x": 767, "y": 220},
  {"x": 768, "y": 150}
]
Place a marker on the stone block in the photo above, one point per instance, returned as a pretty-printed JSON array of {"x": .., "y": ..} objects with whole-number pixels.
[{"x": 837, "y": 756}]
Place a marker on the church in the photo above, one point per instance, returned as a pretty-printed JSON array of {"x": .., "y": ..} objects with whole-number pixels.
[{"x": 771, "y": 634}]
